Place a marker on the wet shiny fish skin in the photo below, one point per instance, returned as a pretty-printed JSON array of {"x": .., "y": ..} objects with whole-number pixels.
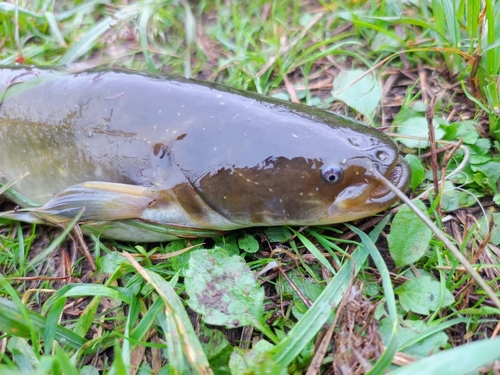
[{"x": 152, "y": 151}]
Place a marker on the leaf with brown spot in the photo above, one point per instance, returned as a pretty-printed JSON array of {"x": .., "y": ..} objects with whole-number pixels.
[{"x": 223, "y": 289}]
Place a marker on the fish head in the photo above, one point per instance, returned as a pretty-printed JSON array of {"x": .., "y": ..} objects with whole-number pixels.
[{"x": 327, "y": 178}]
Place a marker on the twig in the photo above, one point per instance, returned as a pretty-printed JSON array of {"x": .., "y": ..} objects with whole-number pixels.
[
  {"x": 304, "y": 299},
  {"x": 83, "y": 247},
  {"x": 485, "y": 241},
  {"x": 440, "y": 235},
  {"x": 290, "y": 89}
]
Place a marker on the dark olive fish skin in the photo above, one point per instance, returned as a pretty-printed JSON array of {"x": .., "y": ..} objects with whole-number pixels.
[{"x": 185, "y": 154}]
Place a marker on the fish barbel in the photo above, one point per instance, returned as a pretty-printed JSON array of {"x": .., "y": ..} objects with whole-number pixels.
[{"x": 152, "y": 158}]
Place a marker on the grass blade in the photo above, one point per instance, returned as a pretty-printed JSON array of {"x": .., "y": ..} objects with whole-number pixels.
[
  {"x": 13, "y": 322},
  {"x": 314, "y": 319},
  {"x": 386, "y": 358},
  {"x": 177, "y": 321},
  {"x": 460, "y": 360}
]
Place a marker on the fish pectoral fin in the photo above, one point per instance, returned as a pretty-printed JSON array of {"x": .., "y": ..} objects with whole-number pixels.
[{"x": 100, "y": 200}]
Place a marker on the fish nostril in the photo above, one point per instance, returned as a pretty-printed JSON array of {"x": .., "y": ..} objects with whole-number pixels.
[
  {"x": 353, "y": 141},
  {"x": 382, "y": 156}
]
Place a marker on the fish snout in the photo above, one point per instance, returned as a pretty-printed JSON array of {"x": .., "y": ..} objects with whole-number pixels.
[{"x": 366, "y": 199}]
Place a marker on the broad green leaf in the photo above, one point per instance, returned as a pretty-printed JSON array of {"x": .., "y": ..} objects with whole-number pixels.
[
  {"x": 89, "y": 370},
  {"x": 491, "y": 173},
  {"x": 256, "y": 361},
  {"x": 217, "y": 349},
  {"x": 223, "y": 289},
  {"x": 383, "y": 41},
  {"x": 417, "y": 127},
  {"x": 248, "y": 243},
  {"x": 423, "y": 295},
  {"x": 363, "y": 96},
  {"x": 22, "y": 354},
  {"x": 410, "y": 329},
  {"x": 409, "y": 236},
  {"x": 109, "y": 263},
  {"x": 467, "y": 130},
  {"x": 229, "y": 242},
  {"x": 277, "y": 234},
  {"x": 417, "y": 171},
  {"x": 482, "y": 146},
  {"x": 179, "y": 261},
  {"x": 495, "y": 233},
  {"x": 496, "y": 199},
  {"x": 307, "y": 286},
  {"x": 450, "y": 197},
  {"x": 419, "y": 106}
]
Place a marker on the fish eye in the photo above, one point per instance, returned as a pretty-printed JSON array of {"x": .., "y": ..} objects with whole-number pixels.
[{"x": 332, "y": 174}]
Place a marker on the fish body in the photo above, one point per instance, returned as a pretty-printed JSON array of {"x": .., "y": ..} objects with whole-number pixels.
[{"x": 142, "y": 152}]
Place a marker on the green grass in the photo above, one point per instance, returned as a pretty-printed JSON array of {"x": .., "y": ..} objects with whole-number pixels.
[{"x": 404, "y": 293}]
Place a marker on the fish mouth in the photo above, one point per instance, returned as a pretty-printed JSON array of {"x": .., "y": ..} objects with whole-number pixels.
[{"x": 399, "y": 176}]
